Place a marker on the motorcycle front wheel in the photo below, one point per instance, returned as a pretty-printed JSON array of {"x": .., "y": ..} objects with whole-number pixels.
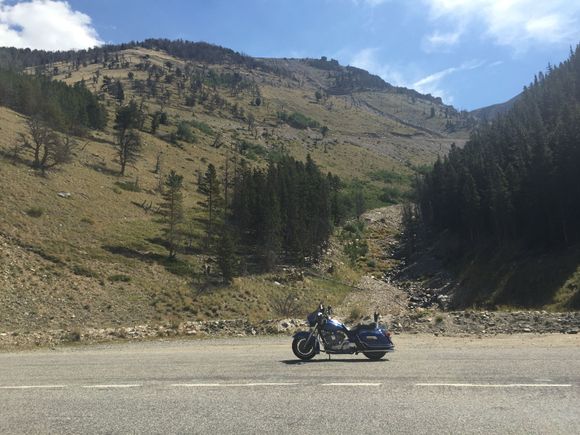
[
  {"x": 302, "y": 349},
  {"x": 375, "y": 356}
]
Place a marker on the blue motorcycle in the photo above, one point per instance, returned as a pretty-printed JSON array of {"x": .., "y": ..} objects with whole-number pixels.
[{"x": 372, "y": 340}]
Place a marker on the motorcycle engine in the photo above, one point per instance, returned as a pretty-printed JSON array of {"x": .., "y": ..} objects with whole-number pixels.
[{"x": 334, "y": 340}]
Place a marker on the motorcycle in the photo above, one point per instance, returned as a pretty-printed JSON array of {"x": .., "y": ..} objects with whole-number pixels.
[{"x": 372, "y": 340}]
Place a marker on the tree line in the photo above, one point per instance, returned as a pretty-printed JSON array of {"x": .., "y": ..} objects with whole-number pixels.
[
  {"x": 20, "y": 58},
  {"x": 517, "y": 178},
  {"x": 64, "y": 107},
  {"x": 283, "y": 213}
]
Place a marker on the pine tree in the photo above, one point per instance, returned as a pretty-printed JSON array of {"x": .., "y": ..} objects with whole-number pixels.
[
  {"x": 172, "y": 209},
  {"x": 270, "y": 228},
  {"x": 127, "y": 120},
  {"x": 129, "y": 149},
  {"x": 226, "y": 254},
  {"x": 119, "y": 92},
  {"x": 517, "y": 177},
  {"x": 209, "y": 186},
  {"x": 284, "y": 211}
]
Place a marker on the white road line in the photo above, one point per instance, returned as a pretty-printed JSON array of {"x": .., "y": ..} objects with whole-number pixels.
[
  {"x": 494, "y": 385},
  {"x": 113, "y": 386},
  {"x": 352, "y": 384},
  {"x": 30, "y": 387},
  {"x": 255, "y": 384}
]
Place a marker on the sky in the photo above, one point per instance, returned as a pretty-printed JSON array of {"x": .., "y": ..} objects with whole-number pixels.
[{"x": 472, "y": 53}]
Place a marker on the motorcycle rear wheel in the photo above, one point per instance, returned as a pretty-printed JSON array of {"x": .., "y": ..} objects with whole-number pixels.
[
  {"x": 375, "y": 356},
  {"x": 303, "y": 350}
]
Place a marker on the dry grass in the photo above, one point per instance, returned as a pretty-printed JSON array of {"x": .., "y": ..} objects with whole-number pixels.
[{"x": 94, "y": 259}]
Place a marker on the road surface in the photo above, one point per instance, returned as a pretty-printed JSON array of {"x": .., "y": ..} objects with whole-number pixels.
[{"x": 518, "y": 384}]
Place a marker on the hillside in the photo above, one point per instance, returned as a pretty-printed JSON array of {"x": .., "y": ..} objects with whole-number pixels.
[
  {"x": 489, "y": 113},
  {"x": 503, "y": 211},
  {"x": 81, "y": 245}
]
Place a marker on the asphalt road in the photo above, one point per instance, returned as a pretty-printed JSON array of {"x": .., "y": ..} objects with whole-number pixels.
[{"x": 521, "y": 384}]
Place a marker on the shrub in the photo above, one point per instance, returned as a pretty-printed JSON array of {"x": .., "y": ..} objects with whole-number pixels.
[
  {"x": 35, "y": 212},
  {"x": 355, "y": 313},
  {"x": 356, "y": 249},
  {"x": 120, "y": 278},
  {"x": 387, "y": 176},
  {"x": 286, "y": 305},
  {"x": 202, "y": 126},
  {"x": 251, "y": 150},
  {"x": 298, "y": 120},
  {"x": 74, "y": 335},
  {"x": 184, "y": 132},
  {"x": 131, "y": 186},
  {"x": 391, "y": 195},
  {"x": 79, "y": 270},
  {"x": 163, "y": 119}
]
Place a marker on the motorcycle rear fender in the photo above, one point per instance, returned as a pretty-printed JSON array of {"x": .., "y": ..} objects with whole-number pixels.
[{"x": 306, "y": 334}]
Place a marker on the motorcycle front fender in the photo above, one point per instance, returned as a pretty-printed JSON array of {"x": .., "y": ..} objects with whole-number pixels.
[{"x": 306, "y": 334}]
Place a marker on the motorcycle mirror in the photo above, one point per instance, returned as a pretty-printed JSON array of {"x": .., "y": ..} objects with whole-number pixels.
[
  {"x": 376, "y": 316},
  {"x": 329, "y": 310}
]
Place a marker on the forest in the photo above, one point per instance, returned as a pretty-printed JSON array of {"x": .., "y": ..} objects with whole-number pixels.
[
  {"x": 63, "y": 107},
  {"x": 286, "y": 211},
  {"x": 518, "y": 177}
]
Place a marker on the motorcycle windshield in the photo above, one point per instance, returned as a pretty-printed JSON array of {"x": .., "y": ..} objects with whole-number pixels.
[{"x": 312, "y": 318}]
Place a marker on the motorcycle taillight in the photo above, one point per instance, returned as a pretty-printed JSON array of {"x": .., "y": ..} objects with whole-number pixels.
[{"x": 387, "y": 333}]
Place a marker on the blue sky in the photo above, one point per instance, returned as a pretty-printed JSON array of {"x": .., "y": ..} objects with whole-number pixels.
[{"x": 472, "y": 53}]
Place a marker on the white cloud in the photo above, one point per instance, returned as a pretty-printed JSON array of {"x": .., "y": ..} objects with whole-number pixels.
[
  {"x": 371, "y": 3},
  {"x": 45, "y": 24},
  {"x": 408, "y": 77},
  {"x": 495, "y": 64},
  {"x": 375, "y": 2},
  {"x": 432, "y": 84},
  {"x": 439, "y": 41},
  {"x": 514, "y": 23}
]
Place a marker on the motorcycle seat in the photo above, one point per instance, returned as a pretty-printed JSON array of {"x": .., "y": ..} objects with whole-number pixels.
[{"x": 369, "y": 327}]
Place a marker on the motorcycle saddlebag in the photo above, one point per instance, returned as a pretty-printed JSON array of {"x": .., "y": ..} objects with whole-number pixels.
[{"x": 375, "y": 340}]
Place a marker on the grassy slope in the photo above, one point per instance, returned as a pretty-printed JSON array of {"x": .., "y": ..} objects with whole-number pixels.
[
  {"x": 514, "y": 277},
  {"x": 94, "y": 258}
]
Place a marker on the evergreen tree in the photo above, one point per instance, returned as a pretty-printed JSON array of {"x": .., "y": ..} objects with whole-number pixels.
[
  {"x": 128, "y": 117},
  {"x": 284, "y": 211},
  {"x": 65, "y": 108},
  {"x": 119, "y": 92},
  {"x": 517, "y": 177},
  {"x": 226, "y": 255},
  {"x": 172, "y": 209},
  {"x": 128, "y": 149},
  {"x": 127, "y": 120},
  {"x": 209, "y": 186}
]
